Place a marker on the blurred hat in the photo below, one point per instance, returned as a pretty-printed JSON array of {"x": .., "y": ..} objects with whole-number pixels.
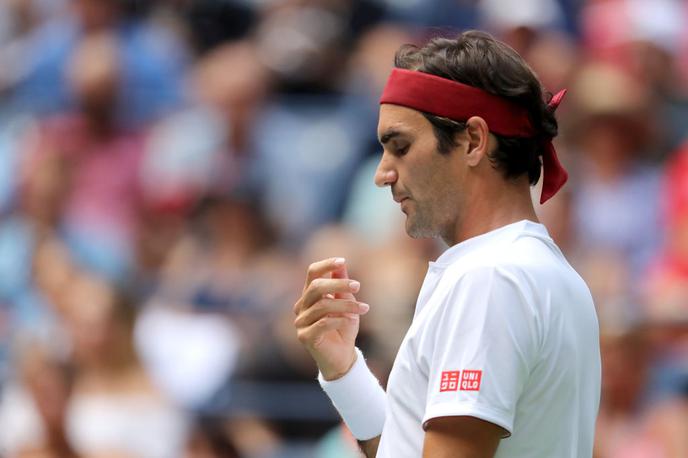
[{"x": 603, "y": 89}]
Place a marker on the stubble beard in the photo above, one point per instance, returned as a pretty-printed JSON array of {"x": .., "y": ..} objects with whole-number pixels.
[
  {"x": 419, "y": 224},
  {"x": 434, "y": 216},
  {"x": 423, "y": 222}
]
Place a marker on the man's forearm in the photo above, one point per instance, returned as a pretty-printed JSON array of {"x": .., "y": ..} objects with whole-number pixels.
[{"x": 369, "y": 447}]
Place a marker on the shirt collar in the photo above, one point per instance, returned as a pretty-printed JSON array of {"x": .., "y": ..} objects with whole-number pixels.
[{"x": 513, "y": 230}]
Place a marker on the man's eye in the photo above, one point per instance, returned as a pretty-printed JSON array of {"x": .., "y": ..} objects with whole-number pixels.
[{"x": 401, "y": 151}]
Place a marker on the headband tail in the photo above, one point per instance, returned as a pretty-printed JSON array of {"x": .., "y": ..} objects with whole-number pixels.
[
  {"x": 554, "y": 174},
  {"x": 556, "y": 99}
]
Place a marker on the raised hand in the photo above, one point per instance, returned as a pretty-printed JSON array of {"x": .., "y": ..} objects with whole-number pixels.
[{"x": 328, "y": 315}]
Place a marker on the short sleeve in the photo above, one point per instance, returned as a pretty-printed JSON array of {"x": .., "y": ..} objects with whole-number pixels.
[{"x": 481, "y": 346}]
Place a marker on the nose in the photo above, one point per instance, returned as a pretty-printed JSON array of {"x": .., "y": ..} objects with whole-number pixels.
[{"x": 385, "y": 175}]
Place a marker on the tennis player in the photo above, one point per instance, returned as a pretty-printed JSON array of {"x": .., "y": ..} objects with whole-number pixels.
[{"x": 502, "y": 357}]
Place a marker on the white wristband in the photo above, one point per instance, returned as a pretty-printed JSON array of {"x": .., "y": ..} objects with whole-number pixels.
[{"x": 359, "y": 399}]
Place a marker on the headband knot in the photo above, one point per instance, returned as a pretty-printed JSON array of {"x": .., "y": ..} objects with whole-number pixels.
[{"x": 451, "y": 99}]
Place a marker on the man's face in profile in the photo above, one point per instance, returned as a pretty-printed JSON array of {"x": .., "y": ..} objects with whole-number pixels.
[{"x": 424, "y": 182}]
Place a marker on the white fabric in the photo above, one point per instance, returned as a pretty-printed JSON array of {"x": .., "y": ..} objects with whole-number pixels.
[
  {"x": 188, "y": 355},
  {"x": 507, "y": 14},
  {"x": 508, "y": 304},
  {"x": 359, "y": 399},
  {"x": 21, "y": 425},
  {"x": 138, "y": 425}
]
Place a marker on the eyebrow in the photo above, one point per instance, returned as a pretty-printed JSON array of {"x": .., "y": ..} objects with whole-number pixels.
[{"x": 388, "y": 135}]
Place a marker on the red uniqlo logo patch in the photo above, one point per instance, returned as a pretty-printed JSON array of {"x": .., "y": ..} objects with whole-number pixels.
[
  {"x": 449, "y": 381},
  {"x": 470, "y": 380}
]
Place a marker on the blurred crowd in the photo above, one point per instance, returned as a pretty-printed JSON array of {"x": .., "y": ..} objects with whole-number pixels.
[{"x": 168, "y": 169}]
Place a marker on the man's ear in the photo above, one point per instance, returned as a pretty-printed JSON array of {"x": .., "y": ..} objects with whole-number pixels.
[{"x": 480, "y": 142}]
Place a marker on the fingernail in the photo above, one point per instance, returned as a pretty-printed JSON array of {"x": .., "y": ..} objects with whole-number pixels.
[
  {"x": 364, "y": 307},
  {"x": 354, "y": 285},
  {"x": 339, "y": 261}
]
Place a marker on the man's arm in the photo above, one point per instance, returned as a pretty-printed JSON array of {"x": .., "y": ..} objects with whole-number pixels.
[
  {"x": 369, "y": 447},
  {"x": 327, "y": 321},
  {"x": 461, "y": 437}
]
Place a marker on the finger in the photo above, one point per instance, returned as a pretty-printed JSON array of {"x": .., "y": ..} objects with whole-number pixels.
[
  {"x": 297, "y": 306},
  {"x": 322, "y": 286},
  {"x": 329, "y": 306},
  {"x": 312, "y": 334},
  {"x": 342, "y": 272},
  {"x": 318, "y": 289},
  {"x": 321, "y": 268}
]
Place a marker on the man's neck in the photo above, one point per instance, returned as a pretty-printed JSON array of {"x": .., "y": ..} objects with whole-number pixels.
[{"x": 507, "y": 204}]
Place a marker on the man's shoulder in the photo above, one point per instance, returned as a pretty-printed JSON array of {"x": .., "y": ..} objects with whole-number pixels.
[
  {"x": 528, "y": 267},
  {"x": 518, "y": 259}
]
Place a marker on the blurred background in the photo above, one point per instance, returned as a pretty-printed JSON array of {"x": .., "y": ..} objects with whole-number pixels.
[{"x": 168, "y": 169}]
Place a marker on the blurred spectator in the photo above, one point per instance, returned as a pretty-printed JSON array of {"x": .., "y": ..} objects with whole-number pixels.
[
  {"x": 207, "y": 335},
  {"x": 667, "y": 286},
  {"x": 616, "y": 186},
  {"x": 114, "y": 408},
  {"x": 33, "y": 265},
  {"x": 153, "y": 61},
  {"x": 33, "y": 408},
  {"x": 307, "y": 149},
  {"x": 647, "y": 39},
  {"x": 619, "y": 426},
  {"x": 18, "y": 19},
  {"x": 631, "y": 423},
  {"x": 203, "y": 149},
  {"x": 99, "y": 162}
]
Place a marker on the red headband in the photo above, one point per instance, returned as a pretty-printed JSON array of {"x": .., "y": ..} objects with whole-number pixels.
[{"x": 450, "y": 99}]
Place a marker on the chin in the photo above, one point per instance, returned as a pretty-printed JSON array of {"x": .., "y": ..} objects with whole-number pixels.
[
  {"x": 418, "y": 232},
  {"x": 414, "y": 235}
]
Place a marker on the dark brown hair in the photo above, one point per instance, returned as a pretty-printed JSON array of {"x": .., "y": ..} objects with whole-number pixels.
[{"x": 479, "y": 60}]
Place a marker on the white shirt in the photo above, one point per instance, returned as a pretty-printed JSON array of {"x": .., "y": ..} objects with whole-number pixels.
[
  {"x": 137, "y": 425},
  {"x": 506, "y": 331}
]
